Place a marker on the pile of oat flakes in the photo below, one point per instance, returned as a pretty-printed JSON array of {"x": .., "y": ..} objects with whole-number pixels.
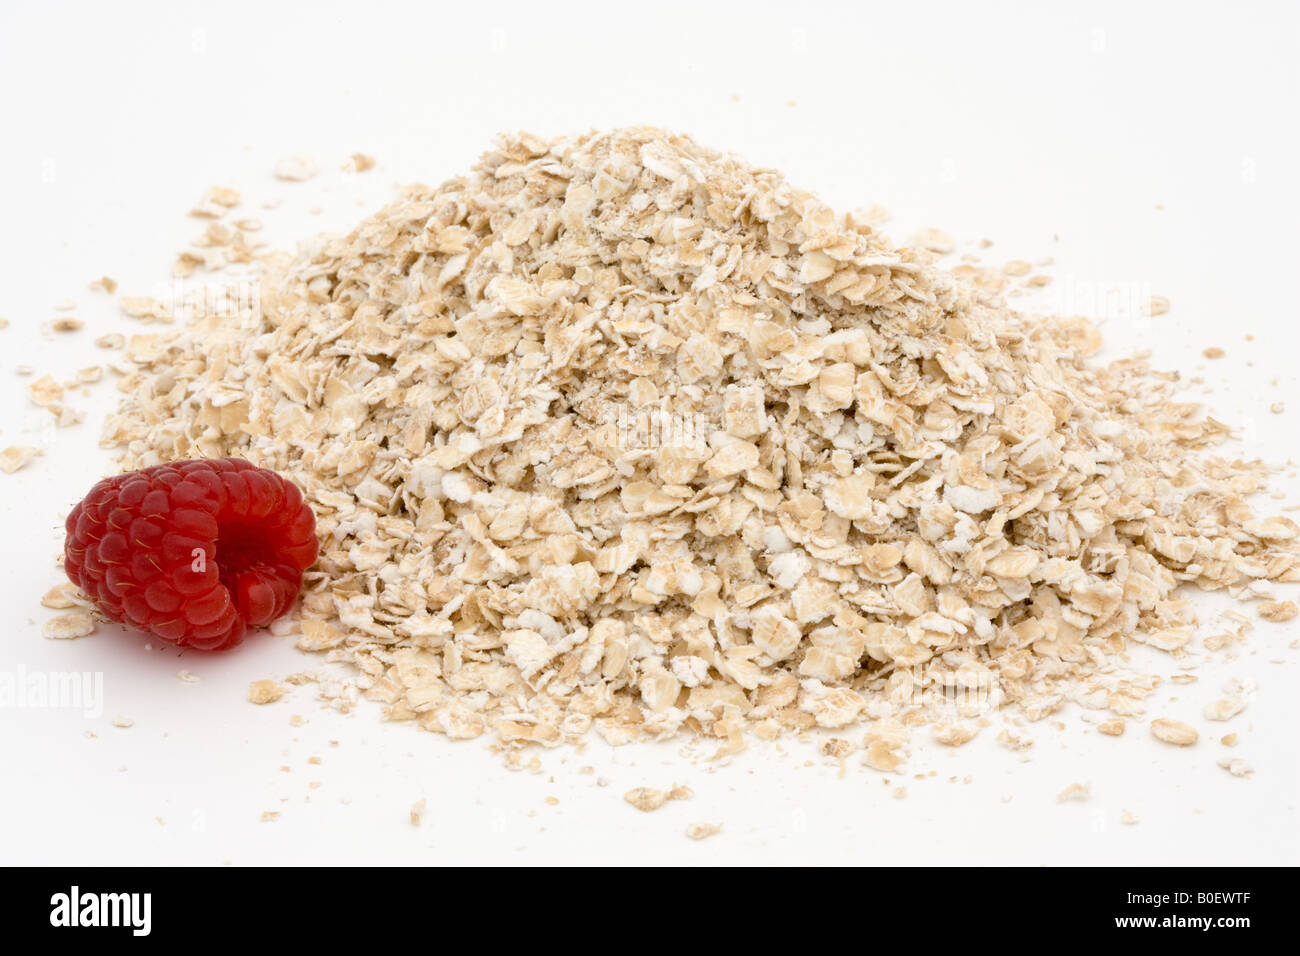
[{"x": 620, "y": 432}]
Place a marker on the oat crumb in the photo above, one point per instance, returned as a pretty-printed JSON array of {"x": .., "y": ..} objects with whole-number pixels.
[
  {"x": 1158, "y": 305},
  {"x": 702, "y": 831},
  {"x": 266, "y": 691},
  {"x": 1236, "y": 766},
  {"x": 17, "y": 457},
  {"x": 295, "y": 168},
  {"x": 1173, "y": 732},
  {"x": 955, "y": 735},
  {"x": 1075, "y": 792},
  {"x": 63, "y": 596},
  {"x": 70, "y": 626},
  {"x": 1224, "y": 709},
  {"x": 1277, "y": 611},
  {"x": 1112, "y": 728},
  {"x": 1014, "y": 741},
  {"x": 646, "y": 799},
  {"x": 359, "y": 163}
]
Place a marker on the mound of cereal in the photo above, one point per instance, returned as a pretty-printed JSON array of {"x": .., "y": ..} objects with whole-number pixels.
[{"x": 619, "y": 431}]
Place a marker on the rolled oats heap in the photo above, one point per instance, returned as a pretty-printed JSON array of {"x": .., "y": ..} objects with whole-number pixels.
[{"x": 619, "y": 431}]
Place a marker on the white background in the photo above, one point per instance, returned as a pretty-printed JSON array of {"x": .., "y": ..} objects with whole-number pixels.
[{"x": 1052, "y": 132}]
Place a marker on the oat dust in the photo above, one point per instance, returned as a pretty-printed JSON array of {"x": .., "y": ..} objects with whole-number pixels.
[{"x": 619, "y": 432}]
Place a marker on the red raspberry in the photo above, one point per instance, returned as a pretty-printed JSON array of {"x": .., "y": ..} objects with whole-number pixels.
[{"x": 194, "y": 552}]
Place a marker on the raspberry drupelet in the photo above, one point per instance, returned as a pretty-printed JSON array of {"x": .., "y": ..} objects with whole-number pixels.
[{"x": 192, "y": 552}]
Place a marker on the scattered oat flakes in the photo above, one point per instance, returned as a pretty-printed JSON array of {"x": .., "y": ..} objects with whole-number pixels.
[
  {"x": 1236, "y": 766},
  {"x": 837, "y": 747},
  {"x": 62, "y": 596},
  {"x": 1277, "y": 611},
  {"x": 214, "y": 204},
  {"x": 1223, "y": 709},
  {"x": 885, "y": 743},
  {"x": 1014, "y": 741},
  {"x": 1173, "y": 732},
  {"x": 16, "y": 457},
  {"x": 1240, "y": 686},
  {"x": 111, "y": 340},
  {"x": 295, "y": 168},
  {"x": 270, "y": 816},
  {"x": 702, "y": 831},
  {"x": 266, "y": 691},
  {"x": 1112, "y": 728},
  {"x": 145, "y": 309},
  {"x": 186, "y": 264},
  {"x": 359, "y": 163},
  {"x": 67, "y": 324},
  {"x": 934, "y": 240},
  {"x": 645, "y": 799},
  {"x": 223, "y": 196},
  {"x": 1128, "y": 818},
  {"x": 1228, "y": 740},
  {"x": 954, "y": 735},
  {"x": 1075, "y": 792},
  {"x": 45, "y": 392},
  {"x": 417, "y": 811},
  {"x": 70, "y": 626},
  {"x": 1158, "y": 305},
  {"x": 104, "y": 284},
  {"x": 1214, "y": 352},
  {"x": 123, "y": 722}
]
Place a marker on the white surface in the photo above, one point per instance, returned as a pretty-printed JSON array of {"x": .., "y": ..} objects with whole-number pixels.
[{"x": 1053, "y": 133}]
